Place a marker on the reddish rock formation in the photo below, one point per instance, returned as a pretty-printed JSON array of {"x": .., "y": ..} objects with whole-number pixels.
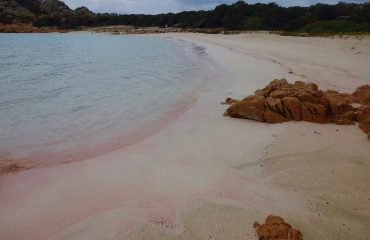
[
  {"x": 230, "y": 101},
  {"x": 312, "y": 112},
  {"x": 251, "y": 108},
  {"x": 275, "y": 228},
  {"x": 339, "y": 103},
  {"x": 292, "y": 107},
  {"x": 362, "y": 95},
  {"x": 27, "y": 28},
  {"x": 281, "y": 101},
  {"x": 363, "y": 117}
]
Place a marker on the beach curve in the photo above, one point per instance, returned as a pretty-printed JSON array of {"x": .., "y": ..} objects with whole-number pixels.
[{"x": 201, "y": 167}]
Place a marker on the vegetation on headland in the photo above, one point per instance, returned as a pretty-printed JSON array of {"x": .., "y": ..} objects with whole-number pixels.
[{"x": 316, "y": 19}]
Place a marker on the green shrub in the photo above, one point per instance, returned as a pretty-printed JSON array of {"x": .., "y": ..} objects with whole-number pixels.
[{"x": 336, "y": 26}]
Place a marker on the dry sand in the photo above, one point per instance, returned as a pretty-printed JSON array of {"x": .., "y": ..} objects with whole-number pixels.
[{"x": 205, "y": 176}]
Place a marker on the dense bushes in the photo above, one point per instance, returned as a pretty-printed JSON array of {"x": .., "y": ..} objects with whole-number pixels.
[
  {"x": 336, "y": 26},
  {"x": 342, "y": 17}
]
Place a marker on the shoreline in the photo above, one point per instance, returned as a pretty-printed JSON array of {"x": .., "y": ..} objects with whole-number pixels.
[
  {"x": 10, "y": 164},
  {"x": 43, "y": 159},
  {"x": 132, "y": 30},
  {"x": 197, "y": 176}
]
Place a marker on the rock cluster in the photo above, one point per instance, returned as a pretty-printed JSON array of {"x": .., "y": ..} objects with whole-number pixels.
[
  {"x": 281, "y": 101},
  {"x": 362, "y": 95},
  {"x": 27, "y": 28},
  {"x": 275, "y": 228},
  {"x": 55, "y": 7}
]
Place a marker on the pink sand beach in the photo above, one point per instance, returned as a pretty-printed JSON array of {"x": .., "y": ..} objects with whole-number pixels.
[{"x": 205, "y": 176}]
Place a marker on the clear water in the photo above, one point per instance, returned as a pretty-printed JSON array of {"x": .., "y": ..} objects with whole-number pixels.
[{"x": 64, "y": 97}]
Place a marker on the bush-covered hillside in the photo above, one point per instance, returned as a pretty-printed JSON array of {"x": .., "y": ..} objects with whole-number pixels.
[{"x": 339, "y": 18}]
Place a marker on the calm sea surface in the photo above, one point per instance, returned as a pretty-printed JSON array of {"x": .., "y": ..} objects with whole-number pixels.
[{"x": 64, "y": 97}]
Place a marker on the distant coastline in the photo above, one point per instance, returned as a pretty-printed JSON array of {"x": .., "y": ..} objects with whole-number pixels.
[
  {"x": 319, "y": 19},
  {"x": 29, "y": 28},
  {"x": 127, "y": 30}
]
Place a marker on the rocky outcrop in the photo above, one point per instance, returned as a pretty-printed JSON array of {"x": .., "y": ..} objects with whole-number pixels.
[
  {"x": 11, "y": 9},
  {"x": 275, "y": 228},
  {"x": 363, "y": 117},
  {"x": 83, "y": 11},
  {"x": 17, "y": 15},
  {"x": 27, "y": 28},
  {"x": 362, "y": 95},
  {"x": 16, "y": 28},
  {"x": 55, "y": 7},
  {"x": 281, "y": 101},
  {"x": 251, "y": 107}
]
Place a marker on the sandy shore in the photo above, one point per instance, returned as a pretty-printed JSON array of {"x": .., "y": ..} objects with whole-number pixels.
[{"x": 206, "y": 176}]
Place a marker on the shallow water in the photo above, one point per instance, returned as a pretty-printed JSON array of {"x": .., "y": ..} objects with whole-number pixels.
[{"x": 65, "y": 97}]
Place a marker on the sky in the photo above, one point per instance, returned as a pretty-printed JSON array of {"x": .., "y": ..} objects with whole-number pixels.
[{"x": 164, "y": 6}]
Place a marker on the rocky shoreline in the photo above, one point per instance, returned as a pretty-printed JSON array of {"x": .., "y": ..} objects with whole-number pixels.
[{"x": 29, "y": 28}]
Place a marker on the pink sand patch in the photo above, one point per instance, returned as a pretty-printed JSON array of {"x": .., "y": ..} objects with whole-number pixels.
[
  {"x": 163, "y": 214},
  {"x": 129, "y": 226}
]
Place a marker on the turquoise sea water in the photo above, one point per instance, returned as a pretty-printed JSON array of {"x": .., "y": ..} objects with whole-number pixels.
[{"x": 62, "y": 96}]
